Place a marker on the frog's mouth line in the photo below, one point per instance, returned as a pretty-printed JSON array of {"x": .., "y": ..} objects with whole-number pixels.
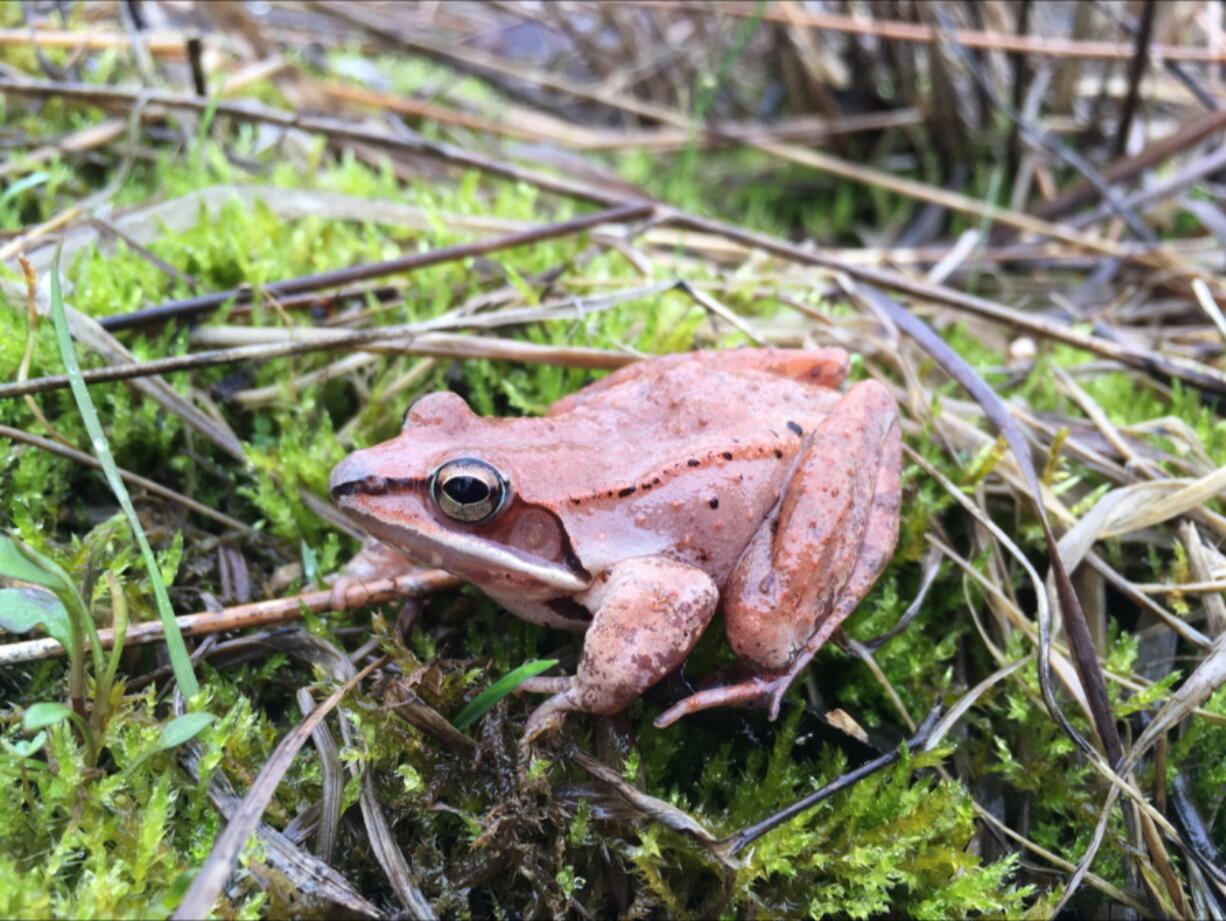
[{"x": 466, "y": 549}]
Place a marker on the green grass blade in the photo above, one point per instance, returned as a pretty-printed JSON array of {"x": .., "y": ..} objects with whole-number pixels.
[
  {"x": 179, "y": 660},
  {"x": 182, "y": 729},
  {"x": 499, "y": 689}
]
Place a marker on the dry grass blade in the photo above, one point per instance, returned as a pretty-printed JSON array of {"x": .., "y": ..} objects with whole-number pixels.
[
  {"x": 650, "y": 806},
  {"x": 1081, "y": 642},
  {"x": 401, "y": 341},
  {"x": 313, "y": 878},
  {"x": 387, "y": 852},
  {"x": 968, "y": 700},
  {"x": 1084, "y": 656},
  {"x": 332, "y": 128},
  {"x": 333, "y": 781},
  {"x": 1152, "y": 361},
  {"x": 89, "y": 333},
  {"x": 207, "y": 886},
  {"x": 89, "y": 138},
  {"x": 416, "y": 712},
  {"x": 972, "y": 38},
  {"x": 1187, "y": 135}
]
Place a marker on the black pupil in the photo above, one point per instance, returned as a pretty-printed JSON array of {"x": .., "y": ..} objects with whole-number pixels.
[{"x": 466, "y": 489}]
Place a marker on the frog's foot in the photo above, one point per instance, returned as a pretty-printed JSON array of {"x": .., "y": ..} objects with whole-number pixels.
[
  {"x": 764, "y": 690},
  {"x": 374, "y": 562},
  {"x": 649, "y": 613},
  {"x": 347, "y": 592}
]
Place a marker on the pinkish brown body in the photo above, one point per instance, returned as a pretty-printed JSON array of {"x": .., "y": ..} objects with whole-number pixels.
[{"x": 642, "y": 503}]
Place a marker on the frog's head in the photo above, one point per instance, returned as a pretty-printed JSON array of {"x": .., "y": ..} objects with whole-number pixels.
[{"x": 443, "y": 491}]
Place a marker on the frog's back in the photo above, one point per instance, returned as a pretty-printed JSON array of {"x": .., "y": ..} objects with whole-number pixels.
[
  {"x": 684, "y": 456},
  {"x": 707, "y": 401},
  {"x": 679, "y": 373}
]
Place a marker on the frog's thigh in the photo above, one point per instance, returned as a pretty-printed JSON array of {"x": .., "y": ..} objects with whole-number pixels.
[
  {"x": 649, "y": 614},
  {"x": 829, "y": 537},
  {"x": 881, "y": 534}
]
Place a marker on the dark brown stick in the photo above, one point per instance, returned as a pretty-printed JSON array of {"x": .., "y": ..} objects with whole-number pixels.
[
  {"x": 1136, "y": 70},
  {"x": 205, "y": 303},
  {"x": 1188, "y": 134}
]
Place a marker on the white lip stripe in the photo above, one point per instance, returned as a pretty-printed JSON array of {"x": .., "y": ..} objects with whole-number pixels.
[{"x": 476, "y": 550}]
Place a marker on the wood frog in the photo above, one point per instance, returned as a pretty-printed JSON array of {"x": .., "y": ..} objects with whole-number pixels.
[{"x": 637, "y": 506}]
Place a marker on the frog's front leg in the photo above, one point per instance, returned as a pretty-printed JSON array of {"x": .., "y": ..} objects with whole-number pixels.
[
  {"x": 648, "y": 614},
  {"x": 817, "y": 555},
  {"x": 376, "y": 560}
]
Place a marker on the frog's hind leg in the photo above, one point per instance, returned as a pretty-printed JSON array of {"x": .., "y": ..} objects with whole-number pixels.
[
  {"x": 649, "y": 613},
  {"x": 785, "y": 598}
]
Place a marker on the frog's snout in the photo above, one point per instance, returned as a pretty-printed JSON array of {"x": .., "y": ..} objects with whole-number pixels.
[{"x": 353, "y": 474}]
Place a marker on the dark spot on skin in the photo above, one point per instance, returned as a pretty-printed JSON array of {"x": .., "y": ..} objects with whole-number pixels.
[
  {"x": 693, "y": 462},
  {"x": 569, "y": 609},
  {"x": 796, "y": 428},
  {"x": 778, "y": 454},
  {"x": 727, "y": 455},
  {"x": 774, "y": 526},
  {"x": 644, "y": 662},
  {"x": 713, "y": 502},
  {"x": 627, "y": 491},
  {"x": 646, "y": 486},
  {"x": 655, "y": 480},
  {"x": 703, "y": 556},
  {"x": 576, "y": 501}
]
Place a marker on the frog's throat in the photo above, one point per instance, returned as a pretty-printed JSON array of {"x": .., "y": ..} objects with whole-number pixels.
[{"x": 458, "y": 552}]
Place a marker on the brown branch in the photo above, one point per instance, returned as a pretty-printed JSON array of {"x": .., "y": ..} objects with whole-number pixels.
[{"x": 240, "y": 617}]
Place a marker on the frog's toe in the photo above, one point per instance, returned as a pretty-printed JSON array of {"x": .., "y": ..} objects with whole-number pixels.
[
  {"x": 759, "y": 691},
  {"x": 338, "y": 600},
  {"x": 548, "y": 717}
]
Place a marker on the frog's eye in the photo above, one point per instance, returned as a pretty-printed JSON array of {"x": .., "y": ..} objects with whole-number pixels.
[{"x": 469, "y": 490}]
